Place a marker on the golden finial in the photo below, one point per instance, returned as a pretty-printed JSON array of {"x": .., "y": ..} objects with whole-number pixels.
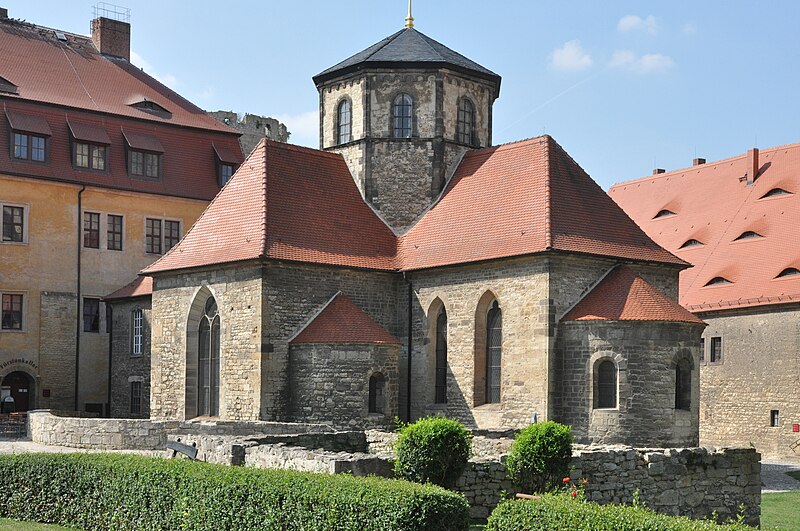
[{"x": 409, "y": 18}]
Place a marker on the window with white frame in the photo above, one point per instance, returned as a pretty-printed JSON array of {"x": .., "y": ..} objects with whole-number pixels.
[{"x": 138, "y": 332}]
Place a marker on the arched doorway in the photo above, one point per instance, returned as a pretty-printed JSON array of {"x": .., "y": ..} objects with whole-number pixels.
[{"x": 21, "y": 386}]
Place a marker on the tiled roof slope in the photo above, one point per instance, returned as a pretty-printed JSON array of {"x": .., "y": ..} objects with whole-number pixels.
[
  {"x": 523, "y": 198},
  {"x": 140, "y": 287},
  {"x": 341, "y": 321},
  {"x": 407, "y": 46},
  {"x": 713, "y": 205},
  {"x": 291, "y": 203},
  {"x": 74, "y": 74},
  {"x": 625, "y": 296}
]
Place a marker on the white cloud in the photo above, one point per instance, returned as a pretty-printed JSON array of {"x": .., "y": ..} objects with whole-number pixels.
[
  {"x": 645, "y": 64},
  {"x": 165, "y": 79},
  {"x": 571, "y": 56},
  {"x": 304, "y": 127},
  {"x": 635, "y": 22}
]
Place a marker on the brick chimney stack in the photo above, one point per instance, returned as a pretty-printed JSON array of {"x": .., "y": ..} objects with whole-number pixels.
[
  {"x": 752, "y": 165},
  {"x": 3, "y": 13},
  {"x": 698, "y": 161},
  {"x": 659, "y": 171},
  {"x": 112, "y": 37}
]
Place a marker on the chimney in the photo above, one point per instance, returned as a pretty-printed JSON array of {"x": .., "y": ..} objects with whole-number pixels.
[
  {"x": 752, "y": 165},
  {"x": 3, "y": 13},
  {"x": 112, "y": 37},
  {"x": 698, "y": 161},
  {"x": 658, "y": 171}
]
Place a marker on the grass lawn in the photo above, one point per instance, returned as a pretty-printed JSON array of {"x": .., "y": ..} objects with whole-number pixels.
[
  {"x": 16, "y": 525},
  {"x": 779, "y": 510}
]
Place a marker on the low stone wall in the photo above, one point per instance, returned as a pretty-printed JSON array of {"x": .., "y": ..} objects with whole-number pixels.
[{"x": 485, "y": 444}]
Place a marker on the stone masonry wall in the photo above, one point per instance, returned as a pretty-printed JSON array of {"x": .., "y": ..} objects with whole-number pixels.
[
  {"x": 759, "y": 373},
  {"x": 330, "y": 383},
  {"x": 645, "y": 355},
  {"x": 237, "y": 291},
  {"x": 57, "y": 349},
  {"x": 482, "y": 96},
  {"x": 253, "y": 128},
  {"x": 126, "y": 368}
]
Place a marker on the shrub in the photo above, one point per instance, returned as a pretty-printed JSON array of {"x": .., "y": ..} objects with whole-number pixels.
[
  {"x": 540, "y": 457},
  {"x": 560, "y": 512},
  {"x": 101, "y": 491},
  {"x": 433, "y": 449}
]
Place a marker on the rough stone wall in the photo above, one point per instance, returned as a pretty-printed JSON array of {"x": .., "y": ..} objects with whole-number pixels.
[
  {"x": 253, "y": 128},
  {"x": 385, "y": 86},
  {"x": 482, "y": 96},
  {"x": 759, "y": 372},
  {"x": 126, "y": 368},
  {"x": 521, "y": 288},
  {"x": 330, "y": 383},
  {"x": 293, "y": 293},
  {"x": 645, "y": 354},
  {"x": 331, "y": 95},
  {"x": 57, "y": 350},
  {"x": 238, "y": 294}
]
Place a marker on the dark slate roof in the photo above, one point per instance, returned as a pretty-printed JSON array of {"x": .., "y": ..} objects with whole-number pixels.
[{"x": 407, "y": 47}]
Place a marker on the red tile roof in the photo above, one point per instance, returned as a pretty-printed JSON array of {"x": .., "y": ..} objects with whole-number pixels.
[
  {"x": 341, "y": 321},
  {"x": 74, "y": 74},
  {"x": 622, "y": 295},
  {"x": 289, "y": 203},
  {"x": 714, "y": 205},
  {"x": 523, "y": 198},
  {"x": 140, "y": 287}
]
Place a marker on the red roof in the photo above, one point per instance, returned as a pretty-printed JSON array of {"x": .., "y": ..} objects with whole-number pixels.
[
  {"x": 523, "y": 198},
  {"x": 622, "y": 295},
  {"x": 288, "y": 203},
  {"x": 341, "y": 321},
  {"x": 713, "y": 205},
  {"x": 140, "y": 287}
]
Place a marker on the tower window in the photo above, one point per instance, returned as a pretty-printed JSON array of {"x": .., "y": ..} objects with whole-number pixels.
[
  {"x": 441, "y": 358},
  {"x": 375, "y": 398},
  {"x": 466, "y": 122},
  {"x": 606, "y": 385},
  {"x": 402, "y": 112},
  {"x": 683, "y": 386},
  {"x": 344, "y": 122},
  {"x": 494, "y": 341},
  {"x": 775, "y": 418}
]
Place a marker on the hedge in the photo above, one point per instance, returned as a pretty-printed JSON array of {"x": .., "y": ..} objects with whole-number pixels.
[
  {"x": 102, "y": 491},
  {"x": 560, "y": 512},
  {"x": 432, "y": 449}
]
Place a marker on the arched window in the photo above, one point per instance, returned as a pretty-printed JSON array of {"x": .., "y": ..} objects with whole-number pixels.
[
  {"x": 344, "y": 122},
  {"x": 606, "y": 385},
  {"x": 402, "y": 112},
  {"x": 441, "y": 358},
  {"x": 376, "y": 385},
  {"x": 466, "y": 121},
  {"x": 683, "y": 386},
  {"x": 208, "y": 361},
  {"x": 494, "y": 337}
]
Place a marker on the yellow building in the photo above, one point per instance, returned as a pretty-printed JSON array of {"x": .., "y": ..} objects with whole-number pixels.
[{"x": 102, "y": 170}]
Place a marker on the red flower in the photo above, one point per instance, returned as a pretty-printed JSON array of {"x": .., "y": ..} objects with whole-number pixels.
[
  {"x": 565, "y": 480},
  {"x": 585, "y": 481},
  {"x": 573, "y": 493}
]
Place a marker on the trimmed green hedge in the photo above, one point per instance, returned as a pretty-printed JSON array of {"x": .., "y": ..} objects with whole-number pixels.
[
  {"x": 560, "y": 512},
  {"x": 102, "y": 491},
  {"x": 432, "y": 449}
]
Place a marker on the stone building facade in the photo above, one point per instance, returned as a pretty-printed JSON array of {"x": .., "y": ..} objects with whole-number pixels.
[{"x": 253, "y": 128}]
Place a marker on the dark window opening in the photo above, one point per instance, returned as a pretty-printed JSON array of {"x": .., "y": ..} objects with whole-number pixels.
[
  {"x": 12, "y": 311},
  {"x": 683, "y": 386},
  {"x": 606, "y": 387},
  {"x": 136, "y": 398},
  {"x": 172, "y": 234},
  {"x": 774, "y": 418},
  {"x": 465, "y": 124},
  {"x": 225, "y": 173},
  {"x": 789, "y": 272},
  {"x": 13, "y": 224},
  {"x": 91, "y": 230},
  {"x": 715, "y": 356},
  {"x": 375, "y": 399},
  {"x": 344, "y": 122},
  {"x": 152, "y": 236},
  {"x": 209, "y": 360},
  {"x": 702, "y": 349},
  {"x": 691, "y": 243},
  {"x": 441, "y": 358},
  {"x": 114, "y": 235},
  {"x": 91, "y": 315},
  {"x": 718, "y": 281},
  {"x": 748, "y": 235},
  {"x": 402, "y": 112},
  {"x": 494, "y": 339},
  {"x": 776, "y": 192},
  {"x": 664, "y": 213}
]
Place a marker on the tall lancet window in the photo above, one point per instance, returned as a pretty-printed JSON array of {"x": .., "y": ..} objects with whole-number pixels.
[
  {"x": 344, "y": 122},
  {"x": 208, "y": 361},
  {"x": 466, "y": 122},
  {"x": 494, "y": 339},
  {"x": 441, "y": 358},
  {"x": 402, "y": 112}
]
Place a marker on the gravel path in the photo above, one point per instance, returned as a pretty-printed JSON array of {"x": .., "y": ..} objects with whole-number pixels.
[{"x": 774, "y": 477}]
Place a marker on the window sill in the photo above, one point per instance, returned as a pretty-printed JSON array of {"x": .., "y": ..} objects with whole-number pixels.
[
  {"x": 12, "y": 331},
  {"x": 605, "y": 410},
  {"x": 14, "y": 243}
]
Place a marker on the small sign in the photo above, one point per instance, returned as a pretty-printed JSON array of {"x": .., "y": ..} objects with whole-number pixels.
[{"x": 796, "y": 428}]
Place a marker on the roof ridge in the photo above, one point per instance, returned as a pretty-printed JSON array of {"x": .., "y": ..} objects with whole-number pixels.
[
  {"x": 263, "y": 252},
  {"x": 425, "y": 39},
  {"x": 300, "y": 149},
  {"x": 548, "y": 211},
  {"x": 314, "y": 316}
]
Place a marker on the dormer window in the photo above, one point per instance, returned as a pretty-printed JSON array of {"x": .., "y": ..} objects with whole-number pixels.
[
  {"x": 344, "y": 123},
  {"x": 465, "y": 126},
  {"x": 29, "y": 136},
  {"x": 789, "y": 272},
  {"x": 775, "y": 192},
  {"x": 145, "y": 155},
  {"x": 663, "y": 214},
  {"x": 747, "y": 235},
  {"x": 89, "y": 146},
  {"x": 227, "y": 162},
  {"x": 718, "y": 281},
  {"x": 691, "y": 243},
  {"x": 402, "y": 113},
  {"x": 151, "y": 107},
  {"x": 7, "y": 86}
]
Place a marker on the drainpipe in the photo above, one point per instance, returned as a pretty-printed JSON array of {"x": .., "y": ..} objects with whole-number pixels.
[
  {"x": 78, "y": 303},
  {"x": 110, "y": 325},
  {"x": 410, "y": 332}
]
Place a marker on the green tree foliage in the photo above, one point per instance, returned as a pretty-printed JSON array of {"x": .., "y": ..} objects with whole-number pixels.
[
  {"x": 433, "y": 449},
  {"x": 540, "y": 457}
]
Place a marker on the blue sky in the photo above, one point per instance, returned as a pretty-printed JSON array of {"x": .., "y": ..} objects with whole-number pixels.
[{"x": 623, "y": 86}]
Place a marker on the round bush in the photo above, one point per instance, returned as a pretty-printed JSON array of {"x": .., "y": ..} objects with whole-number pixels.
[
  {"x": 540, "y": 457},
  {"x": 433, "y": 449}
]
